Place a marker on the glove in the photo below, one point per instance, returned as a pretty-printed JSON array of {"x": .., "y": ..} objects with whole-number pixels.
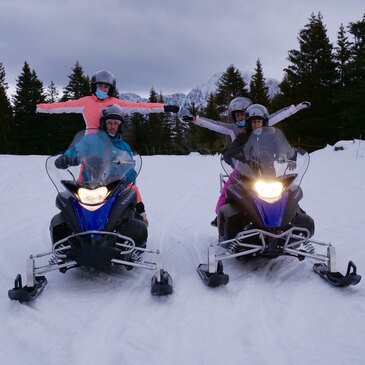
[
  {"x": 171, "y": 108},
  {"x": 63, "y": 162},
  {"x": 304, "y": 104},
  {"x": 227, "y": 157},
  {"x": 187, "y": 118},
  {"x": 292, "y": 165}
]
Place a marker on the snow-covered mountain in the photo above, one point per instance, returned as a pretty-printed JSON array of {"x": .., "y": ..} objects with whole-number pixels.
[{"x": 199, "y": 95}]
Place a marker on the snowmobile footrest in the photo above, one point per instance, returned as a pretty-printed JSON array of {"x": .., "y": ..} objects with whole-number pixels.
[
  {"x": 162, "y": 287},
  {"x": 336, "y": 278},
  {"x": 25, "y": 294},
  {"x": 212, "y": 279}
]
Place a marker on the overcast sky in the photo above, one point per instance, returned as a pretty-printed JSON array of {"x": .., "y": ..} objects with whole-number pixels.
[{"x": 170, "y": 45}]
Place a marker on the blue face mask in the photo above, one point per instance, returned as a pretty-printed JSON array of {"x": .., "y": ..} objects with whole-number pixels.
[
  {"x": 101, "y": 94},
  {"x": 241, "y": 123}
]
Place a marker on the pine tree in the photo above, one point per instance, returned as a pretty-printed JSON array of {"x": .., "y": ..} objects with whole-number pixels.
[
  {"x": 5, "y": 115},
  {"x": 202, "y": 139},
  {"x": 230, "y": 85},
  {"x": 29, "y": 90},
  {"x": 258, "y": 90},
  {"x": 352, "y": 98},
  {"x": 311, "y": 75},
  {"x": 52, "y": 93},
  {"x": 343, "y": 56},
  {"x": 78, "y": 86},
  {"x": 29, "y": 135}
]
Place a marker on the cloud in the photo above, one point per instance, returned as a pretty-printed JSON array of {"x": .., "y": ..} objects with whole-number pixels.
[{"x": 170, "y": 45}]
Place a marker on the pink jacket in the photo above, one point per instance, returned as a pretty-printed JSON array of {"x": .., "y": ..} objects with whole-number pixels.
[{"x": 91, "y": 107}]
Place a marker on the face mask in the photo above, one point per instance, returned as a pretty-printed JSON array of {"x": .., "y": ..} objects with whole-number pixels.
[
  {"x": 257, "y": 131},
  {"x": 101, "y": 94},
  {"x": 241, "y": 123}
]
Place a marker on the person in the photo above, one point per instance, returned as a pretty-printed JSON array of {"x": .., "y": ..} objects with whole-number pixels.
[
  {"x": 111, "y": 121},
  {"x": 236, "y": 107},
  {"x": 256, "y": 116},
  {"x": 103, "y": 86}
]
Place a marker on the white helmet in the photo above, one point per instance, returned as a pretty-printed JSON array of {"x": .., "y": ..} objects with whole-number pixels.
[{"x": 239, "y": 104}]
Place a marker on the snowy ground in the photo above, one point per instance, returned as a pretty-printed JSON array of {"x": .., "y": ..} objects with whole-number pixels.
[{"x": 277, "y": 313}]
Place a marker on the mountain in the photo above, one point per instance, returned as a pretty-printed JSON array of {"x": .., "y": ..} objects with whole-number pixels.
[{"x": 199, "y": 95}]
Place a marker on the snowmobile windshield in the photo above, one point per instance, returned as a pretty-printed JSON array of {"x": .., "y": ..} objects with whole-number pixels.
[
  {"x": 95, "y": 160},
  {"x": 268, "y": 155}
]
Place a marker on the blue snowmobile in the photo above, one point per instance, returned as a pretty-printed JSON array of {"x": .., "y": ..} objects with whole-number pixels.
[
  {"x": 262, "y": 217},
  {"x": 97, "y": 226}
]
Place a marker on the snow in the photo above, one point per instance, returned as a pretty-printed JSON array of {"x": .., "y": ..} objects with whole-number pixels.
[{"x": 278, "y": 312}]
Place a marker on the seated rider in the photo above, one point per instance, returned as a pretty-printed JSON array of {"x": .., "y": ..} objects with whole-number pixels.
[{"x": 111, "y": 121}]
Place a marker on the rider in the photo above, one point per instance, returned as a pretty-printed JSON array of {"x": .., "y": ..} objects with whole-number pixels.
[
  {"x": 103, "y": 87},
  {"x": 256, "y": 116},
  {"x": 240, "y": 104},
  {"x": 111, "y": 122}
]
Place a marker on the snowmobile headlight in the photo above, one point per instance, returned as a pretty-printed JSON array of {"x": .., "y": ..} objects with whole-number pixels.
[
  {"x": 268, "y": 189},
  {"x": 92, "y": 197}
]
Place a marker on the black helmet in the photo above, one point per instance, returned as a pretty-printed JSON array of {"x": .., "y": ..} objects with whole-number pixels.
[
  {"x": 239, "y": 104},
  {"x": 257, "y": 111},
  {"x": 111, "y": 112},
  {"x": 104, "y": 77}
]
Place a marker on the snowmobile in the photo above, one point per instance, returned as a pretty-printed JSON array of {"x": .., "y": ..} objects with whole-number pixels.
[
  {"x": 262, "y": 217},
  {"x": 97, "y": 226}
]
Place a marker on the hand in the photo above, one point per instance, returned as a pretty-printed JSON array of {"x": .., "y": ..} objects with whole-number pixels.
[
  {"x": 171, "y": 108},
  {"x": 187, "y": 118},
  {"x": 292, "y": 165},
  {"x": 305, "y": 104},
  {"x": 62, "y": 162}
]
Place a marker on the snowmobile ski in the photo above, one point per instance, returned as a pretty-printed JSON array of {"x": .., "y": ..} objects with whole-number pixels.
[
  {"x": 214, "y": 279},
  {"x": 25, "y": 294},
  {"x": 336, "y": 278},
  {"x": 161, "y": 283}
]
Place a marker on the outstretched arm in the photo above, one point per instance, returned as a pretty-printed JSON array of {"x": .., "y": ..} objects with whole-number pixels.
[
  {"x": 213, "y": 125},
  {"x": 287, "y": 112},
  {"x": 70, "y": 106}
]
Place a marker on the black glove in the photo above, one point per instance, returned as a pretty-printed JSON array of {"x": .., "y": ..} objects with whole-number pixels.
[
  {"x": 62, "y": 162},
  {"x": 227, "y": 157},
  {"x": 171, "y": 108},
  {"x": 187, "y": 118}
]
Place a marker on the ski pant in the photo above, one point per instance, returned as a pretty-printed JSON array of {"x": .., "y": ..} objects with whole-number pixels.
[
  {"x": 135, "y": 188},
  {"x": 222, "y": 197}
]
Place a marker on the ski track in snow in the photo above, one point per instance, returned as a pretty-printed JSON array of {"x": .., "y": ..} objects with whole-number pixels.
[{"x": 271, "y": 312}]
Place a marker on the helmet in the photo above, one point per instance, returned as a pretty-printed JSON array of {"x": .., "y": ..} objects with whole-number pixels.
[
  {"x": 111, "y": 112},
  {"x": 257, "y": 111},
  {"x": 239, "y": 104},
  {"x": 104, "y": 77}
]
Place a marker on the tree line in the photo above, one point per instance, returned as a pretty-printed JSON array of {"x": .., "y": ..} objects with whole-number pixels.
[{"x": 330, "y": 76}]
